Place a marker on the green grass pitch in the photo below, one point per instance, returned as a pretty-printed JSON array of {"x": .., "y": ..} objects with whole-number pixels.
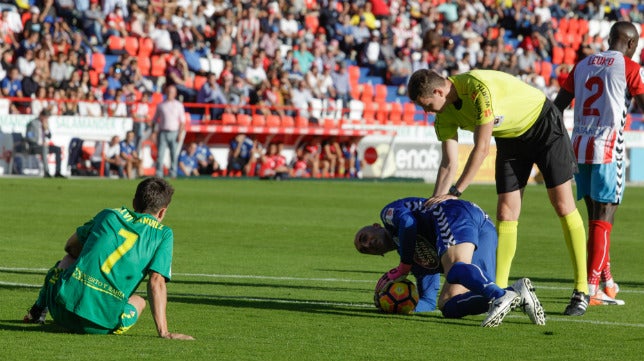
[{"x": 267, "y": 271}]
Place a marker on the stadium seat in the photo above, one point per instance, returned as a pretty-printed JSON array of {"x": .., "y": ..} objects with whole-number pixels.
[
  {"x": 354, "y": 74},
  {"x": 200, "y": 80},
  {"x": 158, "y": 66},
  {"x": 573, "y": 26},
  {"x": 395, "y": 113},
  {"x": 205, "y": 64},
  {"x": 546, "y": 71},
  {"x": 132, "y": 45},
  {"x": 216, "y": 66},
  {"x": 146, "y": 46},
  {"x": 557, "y": 55},
  {"x": 273, "y": 120},
  {"x": 312, "y": 22},
  {"x": 316, "y": 108},
  {"x": 583, "y": 26},
  {"x": 110, "y": 60},
  {"x": 356, "y": 108},
  {"x": 369, "y": 112},
  {"x": 380, "y": 94},
  {"x": 228, "y": 119},
  {"x": 301, "y": 122},
  {"x": 116, "y": 45},
  {"x": 408, "y": 113},
  {"x": 243, "y": 119},
  {"x": 144, "y": 65},
  {"x": 563, "y": 25},
  {"x": 355, "y": 91},
  {"x": 156, "y": 98},
  {"x": 98, "y": 62},
  {"x": 190, "y": 82},
  {"x": 382, "y": 113},
  {"x": 570, "y": 55},
  {"x": 367, "y": 92},
  {"x": 258, "y": 120},
  {"x": 93, "y": 77},
  {"x": 287, "y": 121}
]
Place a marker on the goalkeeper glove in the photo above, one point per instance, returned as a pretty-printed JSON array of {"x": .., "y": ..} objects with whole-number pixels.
[{"x": 394, "y": 275}]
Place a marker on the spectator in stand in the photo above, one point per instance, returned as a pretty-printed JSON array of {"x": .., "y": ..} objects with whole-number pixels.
[
  {"x": 313, "y": 82},
  {"x": 188, "y": 165},
  {"x": 26, "y": 64},
  {"x": 12, "y": 84},
  {"x": 332, "y": 154},
  {"x": 39, "y": 102},
  {"x": 37, "y": 136},
  {"x": 238, "y": 94},
  {"x": 169, "y": 122},
  {"x": 161, "y": 36},
  {"x": 177, "y": 75},
  {"x": 342, "y": 84},
  {"x": 312, "y": 154},
  {"x": 206, "y": 162},
  {"x": 270, "y": 43},
  {"x": 111, "y": 158},
  {"x": 350, "y": 154},
  {"x": 31, "y": 84},
  {"x": 90, "y": 106},
  {"x": 224, "y": 41},
  {"x": 70, "y": 105},
  {"x": 239, "y": 155},
  {"x": 303, "y": 56},
  {"x": 133, "y": 163},
  {"x": 117, "y": 107},
  {"x": 255, "y": 73},
  {"x": 115, "y": 22},
  {"x": 242, "y": 60},
  {"x": 140, "y": 113},
  {"x": 289, "y": 28},
  {"x": 399, "y": 69},
  {"x": 299, "y": 167},
  {"x": 273, "y": 164},
  {"x": 526, "y": 59},
  {"x": 248, "y": 32},
  {"x": 301, "y": 98},
  {"x": 211, "y": 94}
]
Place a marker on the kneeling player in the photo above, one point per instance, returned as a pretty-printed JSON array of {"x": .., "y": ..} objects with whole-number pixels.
[{"x": 462, "y": 237}]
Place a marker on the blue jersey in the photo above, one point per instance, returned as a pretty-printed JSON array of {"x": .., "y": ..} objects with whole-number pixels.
[
  {"x": 246, "y": 147},
  {"x": 127, "y": 148},
  {"x": 189, "y": 161},
  {"x": 203, "y": 153},
  {"x": 423, "y": 235}
]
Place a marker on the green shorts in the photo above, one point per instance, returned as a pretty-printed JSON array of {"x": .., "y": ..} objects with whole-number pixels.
[{"x": 75, "y": 323}]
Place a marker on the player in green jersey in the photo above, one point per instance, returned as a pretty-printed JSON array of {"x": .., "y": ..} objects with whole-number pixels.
[
  {"x": 528, "y": 130},
  {"x": 91, "y": 290}
]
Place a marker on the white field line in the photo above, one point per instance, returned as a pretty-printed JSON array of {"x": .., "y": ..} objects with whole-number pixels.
[
  {"x": 282, "y": 278},
  {"x": 360, "y": 305},
  {"x": 316, "y": 303}
]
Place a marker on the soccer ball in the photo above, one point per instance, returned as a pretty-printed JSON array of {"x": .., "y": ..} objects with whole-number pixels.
[{"x": 400, "y": 297}]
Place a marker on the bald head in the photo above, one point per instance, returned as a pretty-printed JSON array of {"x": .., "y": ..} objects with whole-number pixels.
[{"x": 623, "y": 37}]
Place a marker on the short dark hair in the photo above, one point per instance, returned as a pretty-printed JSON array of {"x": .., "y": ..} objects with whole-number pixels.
[
  {"x": 422, "y": 83},
  {"x": 152, "y": 194}
]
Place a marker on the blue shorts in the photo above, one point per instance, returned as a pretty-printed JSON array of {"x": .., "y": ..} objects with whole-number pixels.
[
  {"x": 602, "y": 182},
  {"x": 460, "y": 221}
]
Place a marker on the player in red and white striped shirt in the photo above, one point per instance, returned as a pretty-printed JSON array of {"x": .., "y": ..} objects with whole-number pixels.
[{"x": 603, "y": 85}]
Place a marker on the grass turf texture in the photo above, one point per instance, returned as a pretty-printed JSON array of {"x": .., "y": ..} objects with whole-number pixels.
[{"x": 268, "y": 271}]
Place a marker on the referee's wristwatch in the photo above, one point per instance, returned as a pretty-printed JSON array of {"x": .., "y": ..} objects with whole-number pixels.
[{"x": 454, "y": 191}]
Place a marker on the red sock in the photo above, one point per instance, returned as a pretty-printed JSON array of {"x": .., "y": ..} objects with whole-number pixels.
[
  {"x": 598, "y": 247},
  {"x": 606, "y": 275}
]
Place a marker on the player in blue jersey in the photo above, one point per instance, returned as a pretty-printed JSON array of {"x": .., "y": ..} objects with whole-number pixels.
[
  {"x": 453, "y": 237},
  {"x": 91, "y": 290}
]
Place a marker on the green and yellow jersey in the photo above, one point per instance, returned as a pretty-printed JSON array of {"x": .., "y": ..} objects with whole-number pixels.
[
  {"x": 120, "y": 247},
  {"x": 490, "y": 96}
]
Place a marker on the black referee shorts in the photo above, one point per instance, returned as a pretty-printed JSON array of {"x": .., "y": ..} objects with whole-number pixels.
[{"x": 546, "y": 144}]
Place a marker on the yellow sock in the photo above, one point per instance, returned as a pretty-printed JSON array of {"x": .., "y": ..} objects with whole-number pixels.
[
  {"x": 575, "y": 236},
  {"x": 505, "y": 250}
]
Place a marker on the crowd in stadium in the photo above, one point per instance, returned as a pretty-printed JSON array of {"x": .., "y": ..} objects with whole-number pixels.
[{"x": 115, "y": 57}]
